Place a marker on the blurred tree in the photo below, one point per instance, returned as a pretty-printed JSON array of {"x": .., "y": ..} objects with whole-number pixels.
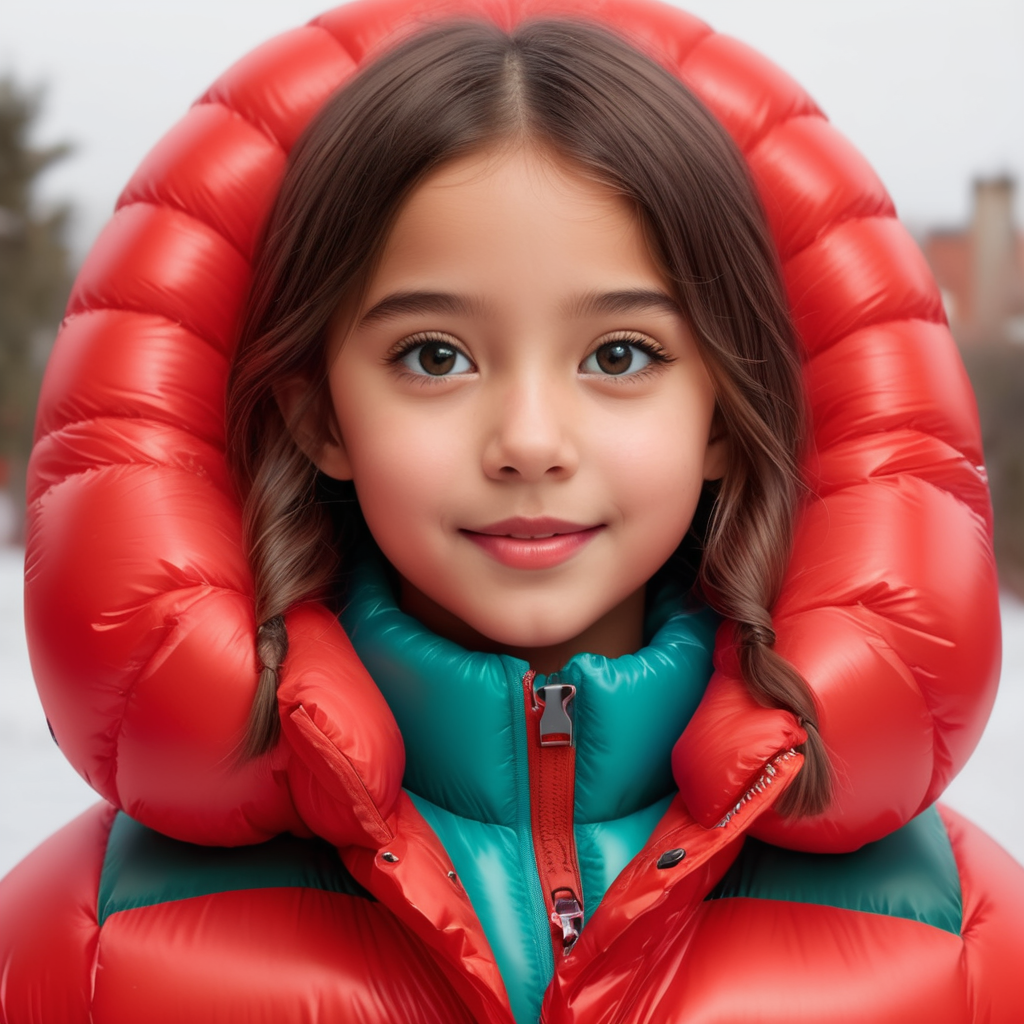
[{"x": 35, "y": 278}]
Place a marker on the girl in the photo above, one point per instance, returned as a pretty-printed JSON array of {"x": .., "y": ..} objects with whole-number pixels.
[{"x": 517, "y": 393}]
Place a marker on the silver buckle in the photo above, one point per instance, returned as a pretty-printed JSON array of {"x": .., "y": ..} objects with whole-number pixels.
[{"x": 556, "y": 728}]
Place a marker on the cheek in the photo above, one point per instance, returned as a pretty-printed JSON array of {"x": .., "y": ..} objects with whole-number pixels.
[
  {"x": 401, "y": 473},
  {"x": 386, "y": 462},
  {"x": 657, "y": 465}
]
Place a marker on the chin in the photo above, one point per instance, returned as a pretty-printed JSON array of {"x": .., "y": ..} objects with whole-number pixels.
[{"x": 529, "y": 634}]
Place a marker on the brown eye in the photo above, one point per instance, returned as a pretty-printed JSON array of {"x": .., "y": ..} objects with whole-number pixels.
[
  {"x": 616, "y": 358},
  {"x": 436, "y": 359}
]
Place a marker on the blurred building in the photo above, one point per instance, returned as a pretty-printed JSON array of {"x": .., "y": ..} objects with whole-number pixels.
[
  {"x": 9, "y": 517},
  {"x": 980, "y": 268}
]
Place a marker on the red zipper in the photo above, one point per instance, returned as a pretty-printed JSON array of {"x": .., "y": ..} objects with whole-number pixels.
[{"x": 551, "y": 746}]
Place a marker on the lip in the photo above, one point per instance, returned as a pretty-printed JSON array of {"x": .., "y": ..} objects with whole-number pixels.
[
  {"x": 535, "y": 527},
  {"x": 540, "y": 543}
]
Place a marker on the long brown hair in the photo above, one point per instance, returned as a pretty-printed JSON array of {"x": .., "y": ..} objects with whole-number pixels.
[{"x": 628, "y": 122}]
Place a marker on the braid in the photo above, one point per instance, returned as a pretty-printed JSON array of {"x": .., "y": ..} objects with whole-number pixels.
[
  {"x": 264, "y": 725},
  {"x": 776, "y": 683},
  {"x": 290, "y": 536},
  {"x": 741, "y": 573}
]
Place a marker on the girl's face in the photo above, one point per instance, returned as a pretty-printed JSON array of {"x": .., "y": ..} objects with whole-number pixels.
[{"x": 522, "y": 409}]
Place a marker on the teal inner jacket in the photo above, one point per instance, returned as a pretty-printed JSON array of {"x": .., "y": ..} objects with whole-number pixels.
[{"x": 462, "y": 718}]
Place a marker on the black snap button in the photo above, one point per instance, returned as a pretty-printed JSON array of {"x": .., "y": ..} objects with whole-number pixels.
[
  {"x": 670, "y": 858},
  {"x": 391, "y": 858}
]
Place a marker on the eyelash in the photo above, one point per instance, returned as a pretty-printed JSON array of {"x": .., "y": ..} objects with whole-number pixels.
[{"x": 653, "y": 351}]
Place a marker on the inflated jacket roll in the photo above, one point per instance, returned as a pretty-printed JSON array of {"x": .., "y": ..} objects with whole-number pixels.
[{"x": 139, "y": 608}]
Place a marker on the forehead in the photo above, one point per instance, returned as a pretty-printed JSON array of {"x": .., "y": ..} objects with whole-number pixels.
[{"x": 518, "y": 217}]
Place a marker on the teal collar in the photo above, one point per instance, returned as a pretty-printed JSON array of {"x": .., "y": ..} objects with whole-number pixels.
[
  {"x": 457, "y": 709},
  {"x": 462, "y": 716}
]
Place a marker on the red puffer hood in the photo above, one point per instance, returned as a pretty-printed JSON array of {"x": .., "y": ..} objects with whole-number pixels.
[{"x": 139, "y": 599}]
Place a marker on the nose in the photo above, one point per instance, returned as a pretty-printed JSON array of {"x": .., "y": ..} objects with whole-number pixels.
[{"x": 532, "y": 436}]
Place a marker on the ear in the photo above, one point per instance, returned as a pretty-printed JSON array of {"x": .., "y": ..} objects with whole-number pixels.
[
  {"x": 314, "y": 427},
  {"x": 716, "y": 455},
  {"x": 333, "y": 458}
]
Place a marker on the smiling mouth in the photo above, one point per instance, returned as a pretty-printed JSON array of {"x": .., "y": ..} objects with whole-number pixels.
[
  {"x": 526, "y": 528},
  {"x": 542, "y": 543}
]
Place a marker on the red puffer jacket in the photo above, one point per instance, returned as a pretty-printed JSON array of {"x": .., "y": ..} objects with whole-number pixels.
[{"x": 140, "y": 620}]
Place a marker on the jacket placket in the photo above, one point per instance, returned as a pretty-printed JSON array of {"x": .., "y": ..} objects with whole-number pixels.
[{"x": 610, "y": 966}]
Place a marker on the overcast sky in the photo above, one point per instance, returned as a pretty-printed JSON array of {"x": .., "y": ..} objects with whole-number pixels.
[{"x": 932, "y": 91}]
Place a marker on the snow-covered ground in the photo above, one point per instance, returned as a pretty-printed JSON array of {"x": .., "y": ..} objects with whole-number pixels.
[{"x": 39, "y": 791}]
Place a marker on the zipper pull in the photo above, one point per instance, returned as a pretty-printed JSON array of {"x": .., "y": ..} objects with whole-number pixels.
[
  {"x": 556, "y": 727},
  {"x": 567, "y": 915}
]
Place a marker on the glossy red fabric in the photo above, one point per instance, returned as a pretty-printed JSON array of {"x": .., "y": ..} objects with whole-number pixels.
[
  {"x": 139, "y": 599},
  {"x": 48, "y": 932},
  {"x": 276, "y": 954},
  {"x": 298, "y": 955},
  {"x": 288, "y": 954}
]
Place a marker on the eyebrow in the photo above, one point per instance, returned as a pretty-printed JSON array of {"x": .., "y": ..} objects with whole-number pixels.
[
  {"x": 636, "y": 300},
  {"x": 403, "y": 303}
]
